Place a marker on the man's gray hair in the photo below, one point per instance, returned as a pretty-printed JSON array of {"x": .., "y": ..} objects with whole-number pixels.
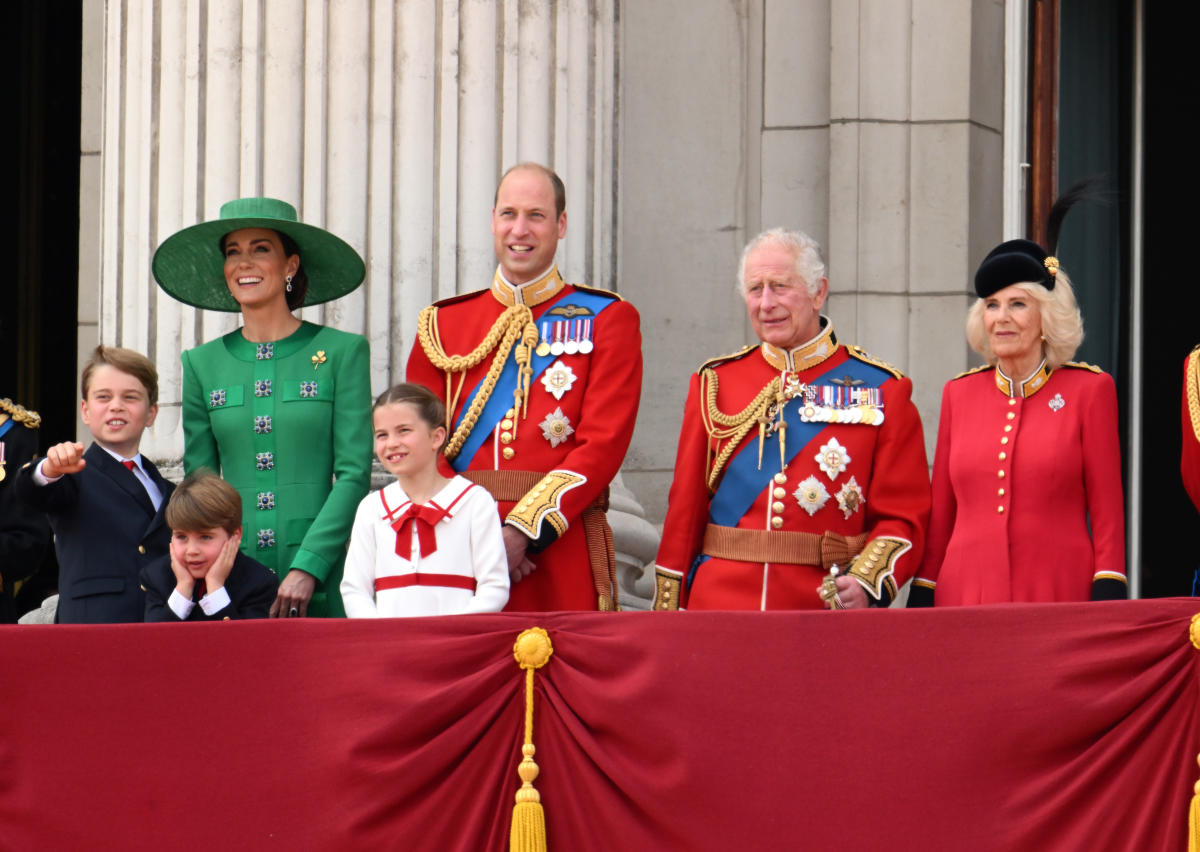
[{"x": 809, "y": 265}]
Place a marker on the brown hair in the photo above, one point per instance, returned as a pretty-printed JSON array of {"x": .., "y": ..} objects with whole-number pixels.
[
  {"x": 429, "y": 408},
  {"x": 127, "y": 361},
  {"x": 204, "y": 501},
  {"x": 560, "y": 191}
]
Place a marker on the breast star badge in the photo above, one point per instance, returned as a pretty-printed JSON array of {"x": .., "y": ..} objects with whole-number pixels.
[
  {"x": 556, "y": 428},
  {"x": 832, "y": 458},
  {"x": 811, "y": 495},
  {"x": 850, "y": 498},
  {"x": 558, "y": 379}
]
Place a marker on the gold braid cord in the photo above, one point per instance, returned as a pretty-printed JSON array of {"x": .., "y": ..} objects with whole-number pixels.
[
  {"x": 20, "y": 414},
  {"x": 1191, "y": 379},
  {"x": 515, "y": 324},
  {"x": 735, "y": 427}
]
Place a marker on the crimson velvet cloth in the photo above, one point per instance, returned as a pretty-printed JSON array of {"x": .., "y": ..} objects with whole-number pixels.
[{"x": 1018, "y": 727}]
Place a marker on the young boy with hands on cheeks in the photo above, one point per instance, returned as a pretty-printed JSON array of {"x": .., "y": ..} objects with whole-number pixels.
[
  {"x": 425, "y": 544},
  {"x": 205, "y": 577},
  {"x": 105, "y": 503}
]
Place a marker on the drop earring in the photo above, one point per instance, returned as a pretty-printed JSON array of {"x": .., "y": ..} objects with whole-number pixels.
[{"x": 289, "y": 283}]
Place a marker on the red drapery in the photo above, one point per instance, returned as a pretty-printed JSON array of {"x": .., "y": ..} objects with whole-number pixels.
[{"x": 1055, "y": 727}]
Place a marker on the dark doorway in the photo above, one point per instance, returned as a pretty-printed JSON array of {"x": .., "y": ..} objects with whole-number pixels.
[
  {"x": 42, "y": 49},
  {"x": 1172, "y": 297}
]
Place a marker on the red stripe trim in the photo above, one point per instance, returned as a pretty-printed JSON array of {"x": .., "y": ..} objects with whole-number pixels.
[
  {"x": 389, "y": 514},
  {"x": 403, "y": 581},
  {"x": 460, "y": 496}
]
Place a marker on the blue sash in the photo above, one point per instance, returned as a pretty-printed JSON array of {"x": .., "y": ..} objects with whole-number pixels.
[
  {"x": 501, "y": 399},
  {"x": 8, "y": 424},
  {"x": 742, "y": 481}
]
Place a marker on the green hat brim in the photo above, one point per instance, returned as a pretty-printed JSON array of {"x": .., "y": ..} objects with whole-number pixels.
[{"x": 190, "y": 267}]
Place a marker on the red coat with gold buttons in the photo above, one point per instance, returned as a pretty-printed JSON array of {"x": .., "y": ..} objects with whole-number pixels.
[
  {"x": 578, "y": 441},
  {"x": 1020, "y": 472},
  {"x": 886, "y": 463}
]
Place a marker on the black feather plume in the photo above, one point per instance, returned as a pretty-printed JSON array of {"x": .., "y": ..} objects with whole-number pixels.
[{"x": 1083, "y": 190}]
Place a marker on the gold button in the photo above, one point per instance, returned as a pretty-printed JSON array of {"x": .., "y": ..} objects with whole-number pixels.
[
  {"x": 1011, "y": 416},
  {"x": 777, "y": 507},
  {"x": 781, "y": 478},
  {"x": 1003, "y": 455},
  {"x": 779, "y": 493},
  {"x": 1001, "y": 492},
  {"x": 1000, "y": 509},
  {"x": 141, "y": 550},
  {"x": 777, "y": 522},
  {"x": 508, "y": 452},
  {"x": 506, "y": 423},
  {"x": 1007, "y": 428},
  {"x": 862, "y": 569},
  {"x": 1000, "y": 474},
  {"x": 879, "y": 547},
  {"x": 505, "y": 437},
  {"x": 666, "y": 595},
  {"x": 1012, "y": 402},
  {"x": 872, "y": 559},
  {"x": 512, "y": 412},
  {"x": 226, "y": 618},
  {"x": 1004, "y": 440}
]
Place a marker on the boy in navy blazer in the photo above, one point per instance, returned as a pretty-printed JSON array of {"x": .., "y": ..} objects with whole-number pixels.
[
  {"x": 105, "y": 505},
  {"x": 205, "y": 577}
]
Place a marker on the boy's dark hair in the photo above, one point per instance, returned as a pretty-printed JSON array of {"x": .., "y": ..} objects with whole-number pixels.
[
  {"x": 204, "y": 501},
  {"x": 127, "y": 361},
  {"x": 429, "y": 408}
]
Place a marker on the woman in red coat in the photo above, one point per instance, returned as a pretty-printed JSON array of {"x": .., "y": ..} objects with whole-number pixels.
[{"x": 1027, "y": 498}]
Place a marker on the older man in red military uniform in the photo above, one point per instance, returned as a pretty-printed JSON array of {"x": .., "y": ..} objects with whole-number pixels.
[
  {"x": 796, "y": 456},
  {"x": 541, "y": 381}
]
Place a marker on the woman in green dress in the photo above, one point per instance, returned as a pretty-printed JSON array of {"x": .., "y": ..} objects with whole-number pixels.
[{"x": 281, "y": 407}]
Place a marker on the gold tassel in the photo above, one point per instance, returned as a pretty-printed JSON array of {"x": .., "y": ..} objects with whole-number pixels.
[{"x": 532, "y": 650}]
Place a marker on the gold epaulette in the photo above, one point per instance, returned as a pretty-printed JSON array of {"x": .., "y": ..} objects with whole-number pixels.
[
  {"x": 599, "y": 291},
  {"x": 1083, "y": 365},
  {"x": 450, "y": 300},
  {"x": 973, "y": 371},
  {"x": 861, "y": 355},
  {"x": 20, "y": 414},
  {"x": 732, "y": 356}
]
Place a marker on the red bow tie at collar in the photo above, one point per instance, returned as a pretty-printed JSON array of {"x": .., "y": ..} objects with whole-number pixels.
[{"x": 425, "y": 517}]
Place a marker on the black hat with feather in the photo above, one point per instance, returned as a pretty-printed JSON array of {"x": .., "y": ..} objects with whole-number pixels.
[{"x": 1024, "y": 261}]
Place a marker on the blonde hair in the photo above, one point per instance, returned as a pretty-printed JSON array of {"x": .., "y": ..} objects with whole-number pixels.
[{"x": 1062, "y": 323}]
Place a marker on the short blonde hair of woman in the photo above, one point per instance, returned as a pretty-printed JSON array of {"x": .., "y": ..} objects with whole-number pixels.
[{"x": 1062, "y": 324}]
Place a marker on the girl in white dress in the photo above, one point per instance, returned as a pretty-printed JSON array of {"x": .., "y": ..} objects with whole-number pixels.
[{"x": 425, "y": 544}]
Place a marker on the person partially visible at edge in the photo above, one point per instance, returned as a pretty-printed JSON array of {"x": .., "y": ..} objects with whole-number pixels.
[
  {"x": 205, "y": 577},
  {"x": 541, "y": 380},
  {"x": 1189, "y": 459},
  {"x": 801, "y": 478},
  {"x": 1027, "y": 497},
  {"x": 281, "y": 407},
  {"x": 24, "y": 531}
]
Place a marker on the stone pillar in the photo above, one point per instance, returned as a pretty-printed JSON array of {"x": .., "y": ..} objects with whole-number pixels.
[{"x": 388, "y": 123}]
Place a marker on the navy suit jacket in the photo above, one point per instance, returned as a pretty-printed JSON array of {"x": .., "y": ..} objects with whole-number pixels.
[
  {"x": 250, "y": 584},
  {"x": 106, "y": 530}
]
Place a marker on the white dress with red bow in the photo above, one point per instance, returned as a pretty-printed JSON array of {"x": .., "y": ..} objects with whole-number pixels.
[{"x": 441, "y": 558}]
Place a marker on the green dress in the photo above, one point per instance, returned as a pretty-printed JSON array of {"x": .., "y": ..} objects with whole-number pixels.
[{"x": 288, "y": 424}]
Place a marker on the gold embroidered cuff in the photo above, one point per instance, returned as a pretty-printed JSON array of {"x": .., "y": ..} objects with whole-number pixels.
[
  {"x": 542, "y": 504},
  {"x": 667, "y": 584},
  {"x": 873, "y": 568}
]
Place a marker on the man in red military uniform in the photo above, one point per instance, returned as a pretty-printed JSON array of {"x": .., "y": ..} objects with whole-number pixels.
[
  {"x": 541, "y": 381},
  {"x": 795, "y": 455},
  {"x": 1189, "y": 462}
]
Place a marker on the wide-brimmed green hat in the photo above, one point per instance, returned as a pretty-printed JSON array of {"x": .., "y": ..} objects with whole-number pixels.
[{"x": 190, "y": 266}]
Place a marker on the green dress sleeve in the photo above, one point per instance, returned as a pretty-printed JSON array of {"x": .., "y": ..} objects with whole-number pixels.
[
  {"x": 323, "y": 548},
  {"x": 199, "y": 443}
]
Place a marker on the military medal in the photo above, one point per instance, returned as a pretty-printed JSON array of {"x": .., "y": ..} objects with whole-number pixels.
[
  {"x": 557, "y": 348},
  {"x": 2, "y": 473},
  {"x": 571, "y": 345},
  {"x": 586, "y": 345},
  {"x": 543, "y": 347},
  {"x": 558, "y": 379}
]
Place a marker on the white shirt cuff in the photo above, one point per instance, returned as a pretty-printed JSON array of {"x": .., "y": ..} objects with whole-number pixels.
[
  {"x": 214, "y": 602},
  {"x": 40, "y": 478},
  {"x": 180, "y": 605}
]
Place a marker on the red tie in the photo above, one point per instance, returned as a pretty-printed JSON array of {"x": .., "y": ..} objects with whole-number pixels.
[
  {"x": 130, "y": 464},
  {"x": 425, "y": 517}
]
